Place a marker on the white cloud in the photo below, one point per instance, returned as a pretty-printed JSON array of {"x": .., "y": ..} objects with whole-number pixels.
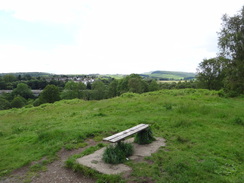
[
  {"x": 121, "y": 36},
  {"x": 54, "y": 11}
]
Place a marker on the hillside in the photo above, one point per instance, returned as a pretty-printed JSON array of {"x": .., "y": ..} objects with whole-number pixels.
[
  {"x": 161, "y": 75},
  {"x": 32, "y": 74},
  {"x": 204, "y": 133},
  {"x": 169, "y": 75}
]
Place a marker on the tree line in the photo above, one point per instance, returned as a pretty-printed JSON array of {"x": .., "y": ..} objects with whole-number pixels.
[
  {"x": 226, "y": 71},
  {"x": 10, "y": 81},
  {"x": 97, "y": 90}
]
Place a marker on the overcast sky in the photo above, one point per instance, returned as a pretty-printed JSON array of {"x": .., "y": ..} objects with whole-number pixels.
[{"x": 109, "y": 36}]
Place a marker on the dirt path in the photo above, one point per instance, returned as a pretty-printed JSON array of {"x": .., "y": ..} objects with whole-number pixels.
[{"x": 56, "y": 172}]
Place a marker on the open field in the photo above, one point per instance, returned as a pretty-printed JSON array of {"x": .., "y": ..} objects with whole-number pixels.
[
  {"x": 203, "y": 132},
  {"x": 169, "y": 81},
  {"x": 172, "y": 75}
]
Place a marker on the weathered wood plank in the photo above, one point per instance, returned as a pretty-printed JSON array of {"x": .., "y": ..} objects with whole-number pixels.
[
  {"x": 121, "y": 135},
  {"x": 123, "y": 132},
  {"x": 128, "y": 133}
]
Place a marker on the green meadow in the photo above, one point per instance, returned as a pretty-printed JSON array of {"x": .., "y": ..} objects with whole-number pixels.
[
  {"x": 172, "y": 75},
  {"x": 204, "y": 133}
]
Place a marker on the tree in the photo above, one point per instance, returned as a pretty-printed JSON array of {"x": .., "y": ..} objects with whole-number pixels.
[
  {"x": 7, "y": 81},
  {"x": 123, "y": 85},
  {"x": 88, "y": 86},
  {"x": 18, "y": 102},
  {"x": 132, "y": 83},
  {"x": 231, "y": 44},
  {"x": 73, "y": 90},
  {"x": 50, "y": 94},
  {"x": 99, "y": 90},
  {"x": 113, "y": 89},
  {"x": 4, "y": 104},
  {"x": 9, "y": 78},
  {"x": 136, "y": 85},
  {"x": 23, "y": 90},
  {"x": 2, "y": 84},
  {"x": 211, "y": 73},
  {"x": 153, "y": 86}
]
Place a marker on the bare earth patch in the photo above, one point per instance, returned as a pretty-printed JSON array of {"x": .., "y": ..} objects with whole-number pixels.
[
  {"x": 95, "y": 161},
  {"x": 56, "y": 172}
]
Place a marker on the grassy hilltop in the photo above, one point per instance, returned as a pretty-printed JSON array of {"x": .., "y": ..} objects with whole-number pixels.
[
  {"x": 172, "y": 75},
  {"x": 204, "y": 133}
]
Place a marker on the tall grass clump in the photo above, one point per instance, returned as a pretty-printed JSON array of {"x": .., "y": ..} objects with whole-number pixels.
[
  {"x": 238, "y": 121},
  {"x": 118, "y": 153},
  {"x": 144, "y": 137}
]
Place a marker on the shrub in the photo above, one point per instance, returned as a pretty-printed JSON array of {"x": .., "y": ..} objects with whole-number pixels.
[
  {"x": 168, "y": 106},
  {"x": 144, "y": 137},
  {"x": 222, "y": 93},
  {"x": 37, "y": 102},
  {"x": 118, "y": 153},
  {"x": 4, "y": 104},
  {"x": 50, "y": 135},
  {"x": 238, "y": 121},
  {"x": 129, "y": 95},
  {"x": 23, "y": 90},
  {"x": 182, "y": 139},
  {"x": 18, "y": 102},
  {"x": 50, "y": 94}
]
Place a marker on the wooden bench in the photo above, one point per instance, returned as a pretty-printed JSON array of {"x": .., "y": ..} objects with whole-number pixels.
[{"x": 122, "y": 135}]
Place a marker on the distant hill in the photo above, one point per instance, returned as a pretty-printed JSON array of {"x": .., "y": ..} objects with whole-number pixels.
[
  {"x": 169, "y": 75},
  {"x": 32, "y": 74},
  {"x": 161, "y": 75}
]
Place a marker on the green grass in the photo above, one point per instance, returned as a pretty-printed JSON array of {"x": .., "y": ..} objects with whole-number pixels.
[
  {"x": 203, "y": 132},
  {"x": 169, "y": 74}
]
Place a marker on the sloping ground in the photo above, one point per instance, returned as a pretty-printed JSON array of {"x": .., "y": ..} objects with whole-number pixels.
[
  {"x": 54, "y": 172},
  {"x": 204, "y": 133},
  {"x": 169, "y": 75}
]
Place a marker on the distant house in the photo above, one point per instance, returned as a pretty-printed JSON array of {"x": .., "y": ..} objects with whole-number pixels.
[
  {"x": 36, "y": 93},
  {"x": 5, "y": 91},
  {"x": 76, "y": 79}
]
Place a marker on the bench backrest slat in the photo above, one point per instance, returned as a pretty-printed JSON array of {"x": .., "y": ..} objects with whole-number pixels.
[{"x": 121, "y": 135}]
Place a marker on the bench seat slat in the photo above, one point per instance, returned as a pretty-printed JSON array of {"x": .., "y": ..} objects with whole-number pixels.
[
  {"x": 123, "y": 132},
  {"x": 121, "y": 135},
  {"x": 128, "y": 133}
]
